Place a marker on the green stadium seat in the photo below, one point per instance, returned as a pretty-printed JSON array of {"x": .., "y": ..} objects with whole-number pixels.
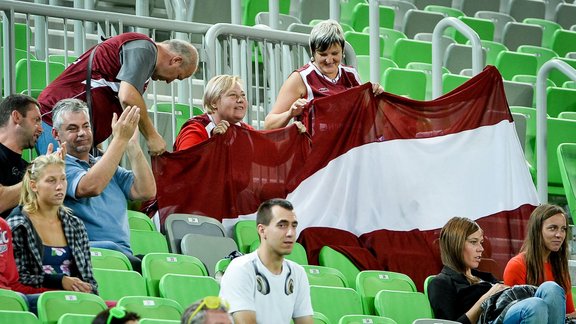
[
  {"x": 426, "y": 283},
  {"x": 362, "y": 319},
  {"x": 360, "y": 42},
  {"x": 60, "y": 58},
  {"x": 220, "y": 268},
  {"x": 320, "y": 318},
  {"x": 253, "y": 7},
  {"x": 567, "y": 115},
  {"x": 12, "y": 301},
  {"x": 530, "y": 142},
  {"x": 20, "y": 317},
  {"x": 325, "y": 276},
  {"x": 406, "y": 82},
  {"x": 363, "y": 62},
  {"x": 76, "y": 319},
  {"x": 187, "y": 289},
  {"x": 19, "y": 36},
  {"x": 245, "y": 233},
  {"x": 152, "y": 307},
  {"x": 144, "y": 242},
  {"x": 483, "y": 27},
  {"x": 361, "y": 16},
  {"x": 446, "y": 11},
  {"x": 452, "y": 81},
  {"x": 569, "y": 84},
  {"x": 38, "y": 73},
  {"x": 156, "y": 265},
  {"x": 542, "y": 54},
  {"x": 512, "y": 63},
  {"x": 402, "y": 306},
  {"x": 567, "y": 161},
  {"x": 370, "y": 282},
  {"x": 492, "y": 50},
  {"x": 346, "y": 10},
  {"x": 426, "y": 68},
  {"x": 408, "y": 50},
  {"x": 335, "y": 302},
  {"x": 109, "y": 259},
  {"x": 329, "y": 257},
  {"x": 548, "y": 29},
  {"x": 115, "y": 284},
  {"x": 559, "y": 77},
  {"x": 559, "y": 100},
  {"x": 140, "y": 221},
  {"x": 53, "y": 304},
  {"x": 390, "y": 36},
  {"x": 563, "y": 42}
]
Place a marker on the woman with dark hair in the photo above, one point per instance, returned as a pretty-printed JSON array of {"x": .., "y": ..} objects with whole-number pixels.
[
  {"x": 457, "y": 293},
  {"x": 544, "y": 254}
]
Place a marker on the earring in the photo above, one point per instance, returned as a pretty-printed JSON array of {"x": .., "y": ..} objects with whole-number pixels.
[{"x": 312, "y": 59}]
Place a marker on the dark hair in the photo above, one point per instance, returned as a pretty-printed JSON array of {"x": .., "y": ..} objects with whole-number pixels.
[
  {"x": 452, "y": 239},
  {"x": 18, "y": 102},
  {"x": 102, "y": 318},
  {"x": 534, "y": 248},
  {"x": 264, "y": 214}
]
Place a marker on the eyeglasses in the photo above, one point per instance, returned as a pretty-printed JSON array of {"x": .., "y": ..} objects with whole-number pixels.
[
  {"x": 211, "y": 302},
  {"x": 116, "y": 312}
]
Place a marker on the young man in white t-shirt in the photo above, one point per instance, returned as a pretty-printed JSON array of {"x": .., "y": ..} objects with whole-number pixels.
[{"x": 264, "y": 287}]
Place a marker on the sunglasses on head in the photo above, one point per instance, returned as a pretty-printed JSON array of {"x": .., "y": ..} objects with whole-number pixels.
[{"x": 210, "y": 302}]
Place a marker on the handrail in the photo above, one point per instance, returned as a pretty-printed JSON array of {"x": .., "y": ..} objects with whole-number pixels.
[
  {"x": 437, "y": 51},
  {"x": 374, "y": 41},
  {"x": 542, "y": 125}
]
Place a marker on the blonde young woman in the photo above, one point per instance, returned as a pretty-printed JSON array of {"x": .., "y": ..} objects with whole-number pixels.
[{"x": 50, "y": 244}]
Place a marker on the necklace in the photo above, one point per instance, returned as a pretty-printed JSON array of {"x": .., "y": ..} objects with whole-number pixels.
[{"x": 327, "y": 78}]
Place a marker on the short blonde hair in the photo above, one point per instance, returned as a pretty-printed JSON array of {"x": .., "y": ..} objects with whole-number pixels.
[
  {"x": 325, "y": 34},
  {"x": 216, "y": 88}
]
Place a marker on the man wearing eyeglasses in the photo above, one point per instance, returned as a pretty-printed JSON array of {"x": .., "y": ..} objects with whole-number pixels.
[{"x": 263, "y": 286}]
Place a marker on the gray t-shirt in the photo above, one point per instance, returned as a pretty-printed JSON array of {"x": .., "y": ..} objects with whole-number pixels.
[{"x": 138, "y": 59}]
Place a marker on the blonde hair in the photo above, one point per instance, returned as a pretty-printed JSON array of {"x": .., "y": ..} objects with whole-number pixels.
[
  {"x": 216, "y": 88},
  {"x": 29, "y": 198},
  {"x": 325, "y": 34}
]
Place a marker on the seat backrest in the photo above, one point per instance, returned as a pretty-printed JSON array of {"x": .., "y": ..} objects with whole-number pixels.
[
  {"x": 325, "y": 276},
  {"x": 300, "y": 28},
  {"x": 186, "y": 289},
  {"x": 446, "y": 11},
  {"x": 363, "y": 68},
  {"x": 459, "y": 57},
  {"x": 335, "y": 302},
  {"x": 519, "y": 93},
  {"x": 400, "y": 9},
  {"x": 452, "y": 81},
  {"x": 61, "y": 58},
  {"x": 140, "y": 221},
  {"x": 331, "y": 258},
  {"x": 563, "y": 42},
  {"x": 559, "y": 131},
  {"x": 390, "y": 36},
  {"x": 513, "y": 63},
  {"x": 314, "y": 9},
  {"x": 471, "y": 7},
  {"x": 346, "y": 10},
  {"x": 357, "y": 319},
  {"x": 567, "y": 115},
  {"x": 516, "y": 34},
  {"x": 53, "y": 304},
  {"x": 361, "y": 42},
  {"x": 208, "y": 249},
  {"x": 115, "y": 284},
  {"x": 253, "y": 7},
  {"x": 426, "y": 283},
  {"x": 76, "y": 319},
  {"x": 152, "y": 307},
  {"x": 421, "y": 4},
  {"x": 369, "y": 283},
  {"x": 566, "y": 15},
  {"x": 405, "y": 82},
  {"x": 420, "y": 21},
  {"x": 20, "y": 317},
  {"x": 499, "y": 19},
  {"x": 567, "y": 163},
  {"x": 402, "y": 306},
  {"x": 283, "y": 20},
  {"x": 109, "y": 259},
  {"x": 37, "y": 72},
  {"x": 361, "y": 13},
  {"x": 520, "y": 9},
  {"x": 12, "y": 301},
  {"x": 245, "y": 233},
  {"x": 560, "y": 100},
  {"x": 156, "y": 265},
  {"x": 144, "y": 242},
  {"x": 20, "y": 31},
  {"x": 557, "y": 76},
  {"x": 212, "y": 12},
  {"x": 548, "y": 29},
  {"x": 483, "y": 27},
  {"x": 542, "y": 54},
  {"x": 178, "y": 225},
  {"x": 520, "y": 125},
  {"x": 409, "y": 50}
]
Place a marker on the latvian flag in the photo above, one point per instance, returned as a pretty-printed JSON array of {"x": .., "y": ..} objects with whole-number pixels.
[{"x": 388, "y": 169}]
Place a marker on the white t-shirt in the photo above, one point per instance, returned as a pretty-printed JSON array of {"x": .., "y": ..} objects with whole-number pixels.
[{"x": 238, "y": 287}]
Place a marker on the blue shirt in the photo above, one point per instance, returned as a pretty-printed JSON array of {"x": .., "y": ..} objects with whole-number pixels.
[{"x": 105, "y": 216}]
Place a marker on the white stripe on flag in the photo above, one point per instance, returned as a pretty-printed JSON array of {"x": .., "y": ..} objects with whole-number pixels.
[{"x": 418, "y": 183}]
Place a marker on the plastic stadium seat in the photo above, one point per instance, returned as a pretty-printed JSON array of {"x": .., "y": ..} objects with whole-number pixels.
[
  {"x": 390, "y": 36},
  {"x": 516, "y": 34},
  {"x": 559, "y": 100},
  {"x": 362, "y": 319},
  {"x": 519, "y": 93},
  {"x": 156, "y": 265},
  {"x": 567, "y": 161},
  {"x": 566, "y": 15},
  {"x": 551, "y": 9},
  {"x": 320, "y": 318},
  {"x": 427, "y": 37},
  {"x": 491, "y": 51},
  {"x": 109, "y": 259},
  {"x": 314, "y": 9},
  {"x": 360, "y": 17},
  {"x": 12, "y": 301},
  {"x": 402, "y": 306},
  {"x": 76, "y": 319},
  {"x": 520, "y": 126},
  {"x": 563, "y": 42},
  {"x": 521, "y": 9},
  {"x": 542, "y": 54},
  {"x": 426, "y": 283},
  {"x": 459, "y": 57},
  {"x": 60, "y": 58},
  {"x": 400, "y": 8},
  {"x": 346, "y": 10},
  {"x": 569, "y": 84},
  {"x": 567, "y": 115},
  {"x": 426, "y": 68},
  {"x": 20, "y": 317},
  {"x": 331, "y": 258},
  {"x": 361, "y": 42},
  {"x": 530, "y": 141},
  {"x": 406, "y": 82},
  {"x": 363, "y": 68},
  {"x": 211, "y": 12},
  {"x": 283, "y": 20},
  {"x": 178, "y": 225},
  {"x": 325, "y": 276},
  {"x": 408, "y": 50},
  {"x": 144, "y": 242},
  {"x": 513, "y": 63},
  {"x": 208, "y": 249},
  {"x": 452, "y": 81},
  {"x": 220, "y": 268},
  {"x": 140, "y": 221},
  {"x": 420, "y": 21},
  {"x": 19, "y": 36},
  {"x": 558, "y": 77},
  {"x": 53, "y": 304},
  {"x": 115, "y": 284},
  {"x": 483, "y": 27},
  {"x": 471, "y": 7},
  {"x": 245, "y": 233},
  {"x": 421, "y": 4},
  {"x": 446, "y": 11},
  {"x": 499, "y": 19},
  {"x": 253, "y": 7},
  {"x": 297, "y": 255},
  {"x": 548, "y": 29},
  {"x": 186, "y": 289},
  {"x": 300, "y": 28},
  {"x": 38, "y": 73},
  {"x": 369, "y": 283},
  {"x": 152, "y": 307},
  {"x": 335, "y": 302}
]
